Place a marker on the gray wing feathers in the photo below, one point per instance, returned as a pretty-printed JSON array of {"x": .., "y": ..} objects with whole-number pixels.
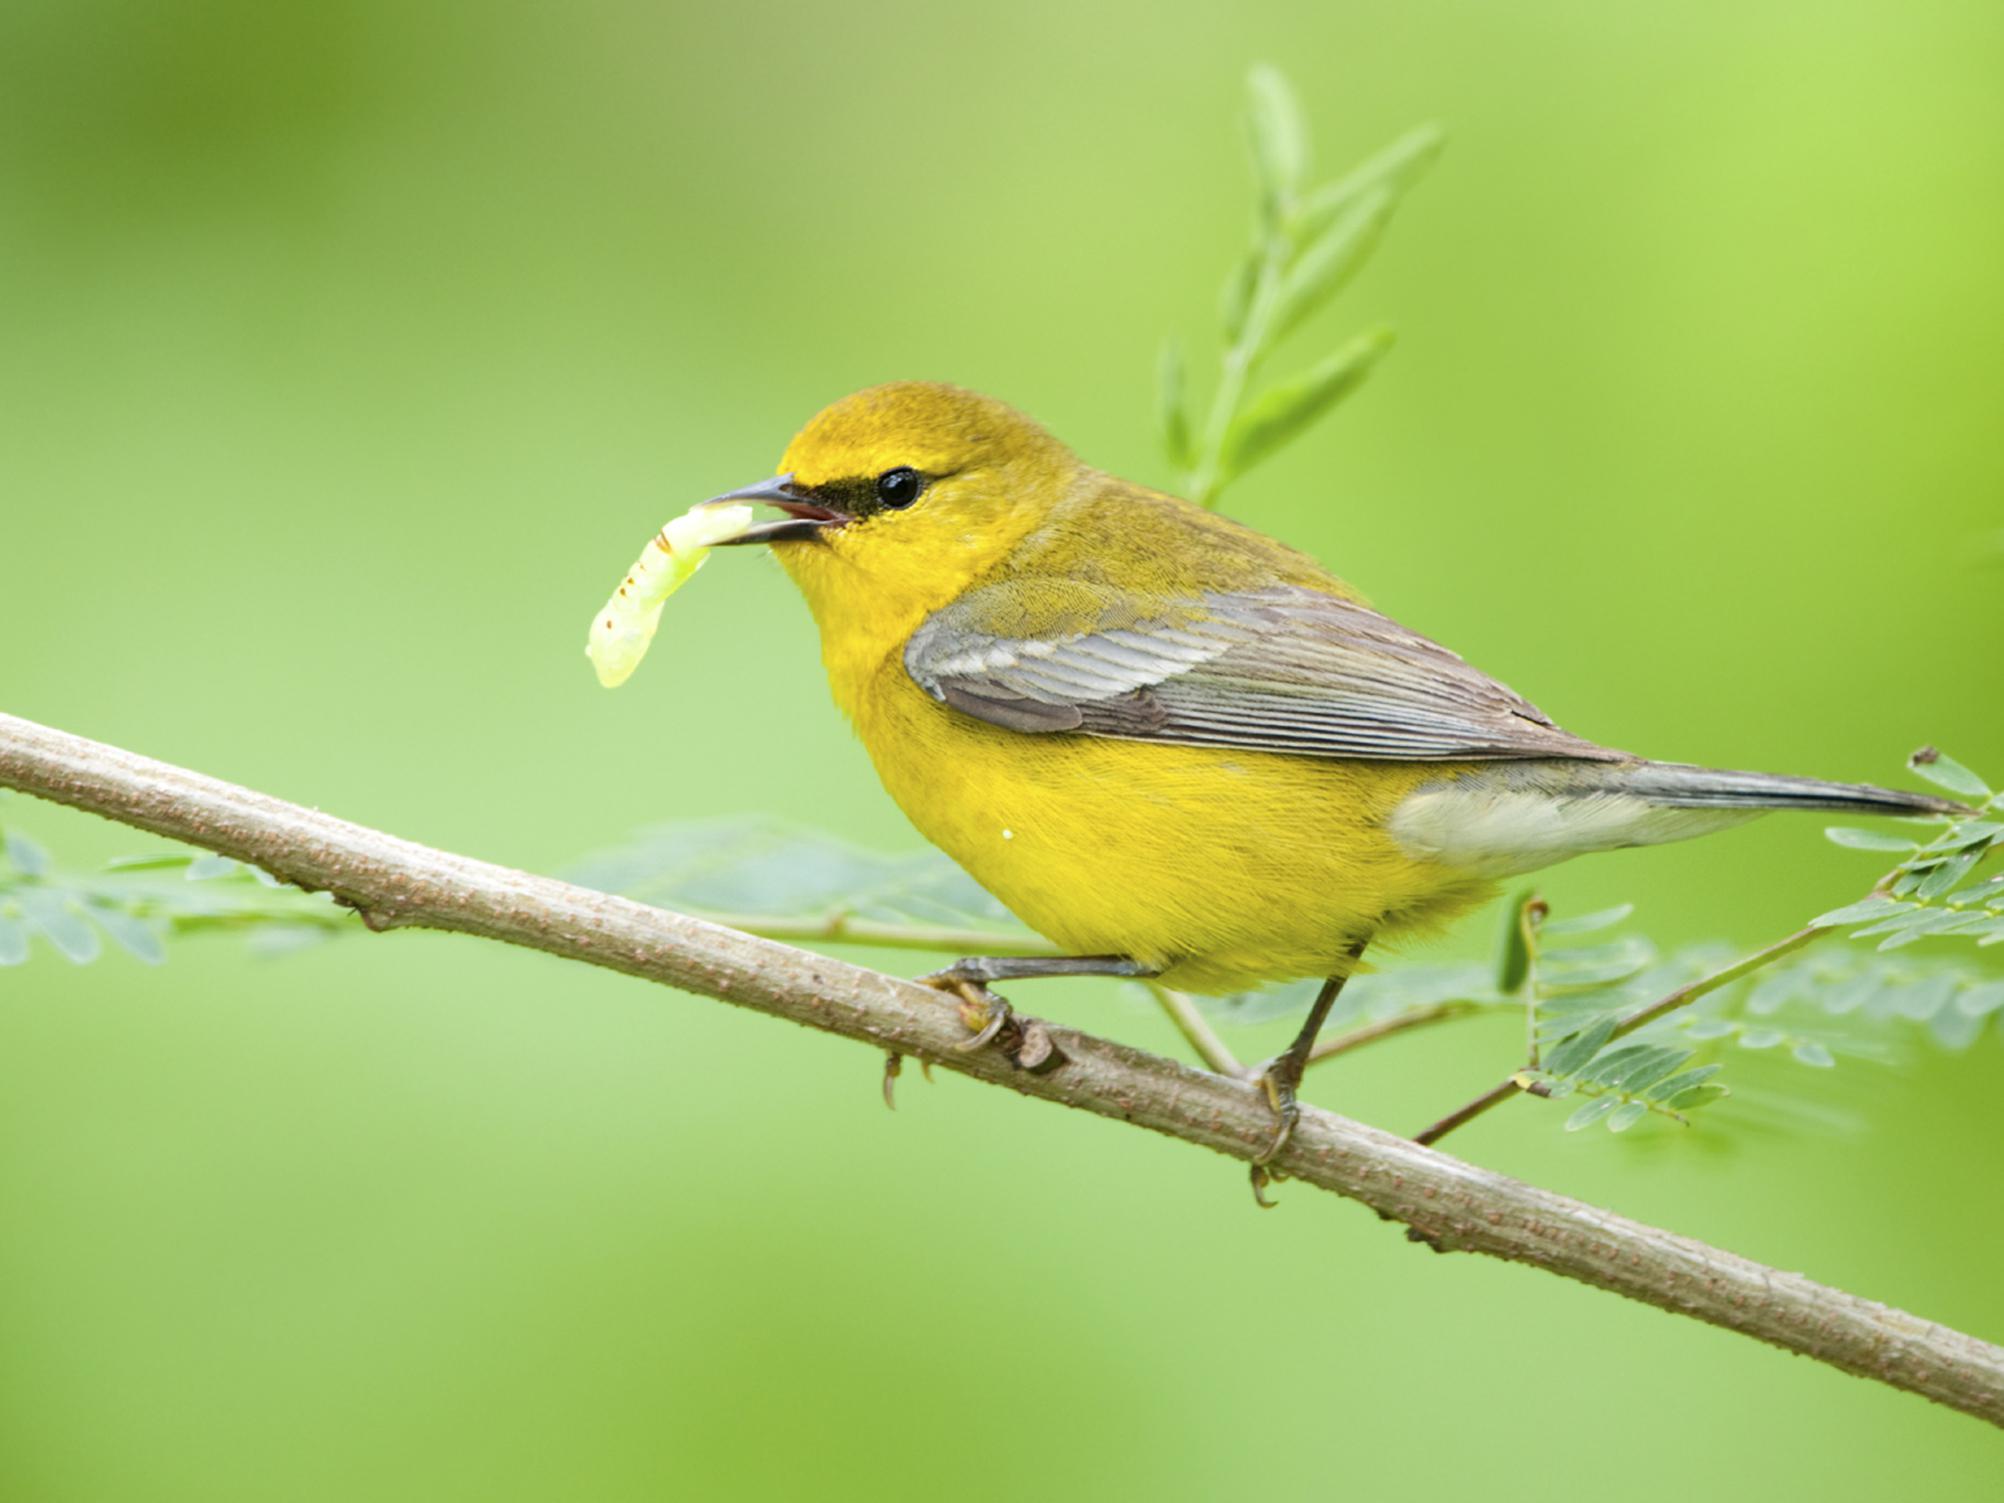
[{"x": 1279, "y": 669}]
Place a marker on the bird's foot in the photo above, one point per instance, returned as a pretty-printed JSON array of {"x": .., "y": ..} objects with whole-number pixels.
[
  {"x": 985, "y": 1013},
  {"x": 1278, "y": 1078}
]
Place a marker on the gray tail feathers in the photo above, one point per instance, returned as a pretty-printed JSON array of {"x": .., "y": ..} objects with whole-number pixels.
[{"x": 1676, "y": 786}]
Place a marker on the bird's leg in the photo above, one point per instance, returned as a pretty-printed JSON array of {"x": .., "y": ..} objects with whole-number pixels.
[
  {"x": 985, "y": 1013},
  {"x": 1281, "y": 1076}
]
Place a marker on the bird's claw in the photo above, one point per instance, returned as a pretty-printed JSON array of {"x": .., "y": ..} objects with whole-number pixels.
[
  {"x": 984, "y": 1012},
  {"x": 1278, "y": 1079},
  {"x": 894, "y": 1066},
  {"x": 1286, "y": 1110},
  {"x": 1261, "y": 1178},
  {"x": 987, "y": 1017}
]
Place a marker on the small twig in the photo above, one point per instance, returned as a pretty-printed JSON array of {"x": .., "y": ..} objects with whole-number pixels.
[
  {"x": 1197, "y": 1031},
  {"x": 1467, "y": 1113},
  {"x": 1683, "y": 996},
  {"x": 1370, "y": 1033},
  {"x": 846, "y": 929}
]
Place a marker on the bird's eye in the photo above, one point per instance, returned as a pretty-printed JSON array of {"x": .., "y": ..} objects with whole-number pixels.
[{"x": 899, "y": 487}]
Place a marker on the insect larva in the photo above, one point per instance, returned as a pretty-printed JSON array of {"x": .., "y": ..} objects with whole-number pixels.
[{"x": 621, "y": 632}]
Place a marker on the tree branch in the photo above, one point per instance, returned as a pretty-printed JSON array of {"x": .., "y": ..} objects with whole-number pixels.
[{"x": 396, "y": 883}]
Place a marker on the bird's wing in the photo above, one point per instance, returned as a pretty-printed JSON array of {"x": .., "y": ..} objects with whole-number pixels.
[{"x": 1279, "y": 668}]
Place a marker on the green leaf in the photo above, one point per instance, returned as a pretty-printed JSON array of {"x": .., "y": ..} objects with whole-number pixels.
[
  {"x": 1911, "y": 923},
  {"x": 1946, "y": 875},
  {"x": 1681, "y": 1084},
  {"x": 1693, "y": 1098},
  {"x": 27, "y": 855},
  {"x": 1285, "y": 411},
  {"x": 170, "y": 861},
  {"x": 1980, "y": 1001},
  {"x": 1395, "y": 169},
  {"x": 1635, "y": 1067},
  {"x": 13, "y": 940},
  {"x": 1287, "y": 1000},
  {"x": 1989, "y": 893},
  {"x": 1772, "y": 992},
  {"x": 1931, "y": 921},
  {"x": 1867, "y": 840},
  {"x": 1809, "y": 1052},
  {"x": 131, "y": 934},
  {"x": 1279, "y": 138},
  {"x": 1326, "y": 267},
  {"x": 759, "y": 867},
  {"x": 52, "y": 917},
  {"x": 1968, "y": 833},
  {"x": 1761, "y": 1038},
  {"x": 1849, "y": 994},
  {"x": 1235, "y": 298},
  {"x": 1945, "y": 772},
  {"x": 1953, "y": 1029},
  {"x": 1569, "y": 973},
  {"x": 1590, "y": 1113},
  {"x": 1586, "y": 923},
  {"x": 1922, "y": 999},
  {"x": 1513, "y": 957},
  {"x": 1626, "y": 1116},
  {"x": 207, "y": 868},
  {"x": 1566, "y": 1057},
  {"x": 1864, "y": 910},
  {"x": 1172, "y": 416}
]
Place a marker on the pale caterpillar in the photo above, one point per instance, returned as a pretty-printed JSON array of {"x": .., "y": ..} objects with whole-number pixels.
[{"x": 621, "y": 632}]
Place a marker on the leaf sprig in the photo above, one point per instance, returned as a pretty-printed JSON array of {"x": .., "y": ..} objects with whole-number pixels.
[
  {"x": 1933, "y": 891},
  {"x": 139, "y": 903},
  {"x": 1308, "y": 243}
]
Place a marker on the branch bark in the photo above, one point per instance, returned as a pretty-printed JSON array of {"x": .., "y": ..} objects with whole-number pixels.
[{"x": 395, "y": 883}]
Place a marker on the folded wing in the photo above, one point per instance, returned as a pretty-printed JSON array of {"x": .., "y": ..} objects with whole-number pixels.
[{"x": 1280, "y": 669}]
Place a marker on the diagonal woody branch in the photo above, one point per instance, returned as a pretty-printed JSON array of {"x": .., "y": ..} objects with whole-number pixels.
[{"x": 396, "y": 883}]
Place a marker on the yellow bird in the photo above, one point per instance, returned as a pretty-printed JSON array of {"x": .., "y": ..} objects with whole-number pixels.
[{"x": 1174, "y": 746}]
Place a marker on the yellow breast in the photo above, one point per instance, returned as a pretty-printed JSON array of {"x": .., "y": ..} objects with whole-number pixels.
[{"x": 1224, "y": 868}]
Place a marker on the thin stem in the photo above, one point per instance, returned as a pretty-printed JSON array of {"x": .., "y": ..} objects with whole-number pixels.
[
  {"x": 1197, "y": 1031},
  {"x": 395, "y": 883},
  {"x": 1468, "y": 1113},
  {"x": 846, "y": 929},
  {"x": 1240, "y": 361},
  {"x": 1384, "y": 1028},
  {"x": 1683, "y": 996}
]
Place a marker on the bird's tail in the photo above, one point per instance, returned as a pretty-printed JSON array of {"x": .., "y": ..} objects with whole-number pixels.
[
  {"x": 1673, "y": 785},
  {"x": 1512, "y": 817}
]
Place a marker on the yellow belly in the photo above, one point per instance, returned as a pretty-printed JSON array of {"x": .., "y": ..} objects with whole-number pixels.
[{"x": 1225, "y": 869}]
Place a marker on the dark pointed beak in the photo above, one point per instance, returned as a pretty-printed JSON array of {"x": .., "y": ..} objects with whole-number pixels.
[{"x": 805, "y": 517}]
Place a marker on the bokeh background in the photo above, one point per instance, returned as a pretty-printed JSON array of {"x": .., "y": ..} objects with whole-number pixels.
[{"x": 348, "y": 350}]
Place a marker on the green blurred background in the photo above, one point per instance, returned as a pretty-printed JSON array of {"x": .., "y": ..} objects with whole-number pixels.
[{"x": 347, "y": 350}]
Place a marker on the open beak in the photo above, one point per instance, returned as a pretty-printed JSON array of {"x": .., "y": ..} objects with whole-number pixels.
[{"x": 805, "y": 517}]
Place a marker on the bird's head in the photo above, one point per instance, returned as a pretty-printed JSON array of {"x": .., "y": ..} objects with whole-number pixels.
[{"x": 899, "y": 497}]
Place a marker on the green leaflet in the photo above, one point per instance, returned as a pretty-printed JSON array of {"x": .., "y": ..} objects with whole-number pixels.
[
  {"x": 1284, "y": 412},
  {"x": 1945, "y": 772}
]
